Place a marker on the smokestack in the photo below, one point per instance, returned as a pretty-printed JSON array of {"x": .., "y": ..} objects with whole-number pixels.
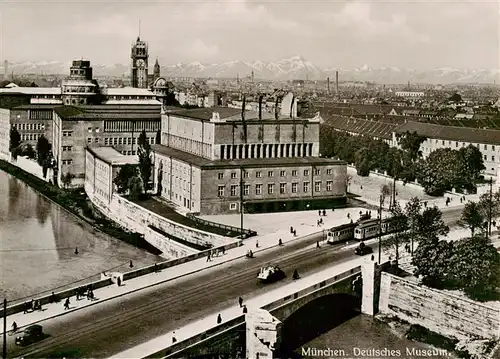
[
  {"x": 260, "y": 106},
  {"x": 328, "y": 84},
  {"x": 276, "y": 111},
  {"x": 337, "y": 82},
  {"x": 243, "y": 108}
]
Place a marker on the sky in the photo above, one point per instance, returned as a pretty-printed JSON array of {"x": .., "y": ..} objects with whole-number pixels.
[{"x": 331, "y": 34}]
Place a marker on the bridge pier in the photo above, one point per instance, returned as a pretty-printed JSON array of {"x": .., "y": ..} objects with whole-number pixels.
[
  {"x": 370, "y": 274},
  {"x": 262, "y": 334}
]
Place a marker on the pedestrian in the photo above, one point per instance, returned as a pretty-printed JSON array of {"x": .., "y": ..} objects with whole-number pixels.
[
  {"x": 280, "y": 243},
  {"x": 32, "y": 305},
  {"x": 324, "y": 212},
  {"x": 317, "y": 244},
  {"x": 361, "y": 186},
  {"x": 348, "y": 215},
  {"x": 295, "y": 233},
  {"x": 223, "y": 250},
  {"x": 208, "y": 257},
  {"x": 319, "y": 213},
  {"x": 461, "y": 200},
  {"x": 78, "y": 293},
  {"x": 26, "y": 307},
  {"x": 52, "y": 298},
  {"x": 240, "y": 300},
  {"x": 219, "y": 319},
  {"x": 66, "y": 304},
  {"x": 173, "y": 338},
  {"x": 317, "y": 223},
  {"x": 76, "y": 250},
  {"x": 14, "y": 327},
  {"x": 257, "y": 244},
  {"x": 373, "y": 257},
  {"x": 156, "y": 268},
  {"x": 245, "y": 310},
  {"x": 118, "y": 281},
  {"x": 131, "y": 265},
  {"x": 291, "y": 229}
]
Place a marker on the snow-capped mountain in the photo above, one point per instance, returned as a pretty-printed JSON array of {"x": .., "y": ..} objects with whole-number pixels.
[{"x": 292, "y": 68}]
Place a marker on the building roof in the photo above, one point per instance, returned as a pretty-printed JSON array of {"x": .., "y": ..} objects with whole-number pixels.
[
  {"x": 370, "y": 128},
  {"x": 112, "y": 156},
  {"x": 108, "y": 112},
  {"x": 206, "y": 113},
  {"x": 51, "y": 101},
  {"x": 36, "y": 106},
  {"x": 126, "y": 91},
  {"x": 248, "y": 162},
  {"x": 452, "y": 133},
  {"x": 13, "y": 100},
  {"x": 33, "y": 90},
  {"x": 132, "y": 102}
]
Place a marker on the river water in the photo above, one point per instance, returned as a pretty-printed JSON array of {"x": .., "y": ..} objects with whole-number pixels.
[{"x": 38, "y": 240}]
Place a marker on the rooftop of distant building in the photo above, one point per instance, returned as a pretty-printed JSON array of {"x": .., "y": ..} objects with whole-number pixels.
[{"x": 112, "y": 156}]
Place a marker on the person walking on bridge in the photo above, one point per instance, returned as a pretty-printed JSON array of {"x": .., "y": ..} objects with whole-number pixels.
[
  {"x": 240, "y": 300},
  {"x": 66, "y": 304},
  {"x": 219, "y": 319}
]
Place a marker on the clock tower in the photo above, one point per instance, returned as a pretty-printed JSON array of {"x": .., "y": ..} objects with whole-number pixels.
[{"x": 139, "y": 55}]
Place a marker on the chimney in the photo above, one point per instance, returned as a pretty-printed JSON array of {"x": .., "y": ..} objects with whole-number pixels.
[
  {"x": 276, "y": 109},
  {"x": 260, "y": 106},
  {"x": 328, "y": 84},
  {"x": 243, "y": 106},
  {"x": 337, "y": 82}
]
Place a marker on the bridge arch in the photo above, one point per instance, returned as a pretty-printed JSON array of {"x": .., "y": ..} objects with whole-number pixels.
[{"x": 317, "y": 317}]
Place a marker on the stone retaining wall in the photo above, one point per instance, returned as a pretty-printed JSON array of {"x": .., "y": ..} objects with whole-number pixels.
[
  {"x": 32, "y": 167},
  {"x": 170, "y": 248},
  {"x": 439, "y": 311}
]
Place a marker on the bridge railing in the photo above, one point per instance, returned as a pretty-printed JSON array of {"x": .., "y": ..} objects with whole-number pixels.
[
  {"x": 278, "y": 303},
  {"x": 182, "y": 345},
  {"x": 247, "y": 232}
]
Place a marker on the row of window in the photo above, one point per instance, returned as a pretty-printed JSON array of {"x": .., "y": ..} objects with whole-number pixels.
[
  {"x": 258, "y": 174},
  {"x": 67, "y": 162},
  {"x": 234, "y": 189},
  {"x": 96, "y": 129},
  {"x": 30, "y": 126},
  {"x": 40, "y": 114},
  {"x": 30, "y": 136},
  {"x": 457, "y": 144},
  {"x": 89, "y": 140},
  {"x": 110, "y": 141},
  {"x": 67, "y": 148},
  {"x": 67, "y": 133}
]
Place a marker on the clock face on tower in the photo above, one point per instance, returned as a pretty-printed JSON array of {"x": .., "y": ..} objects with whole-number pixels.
[{"x": 141, "y": 63}]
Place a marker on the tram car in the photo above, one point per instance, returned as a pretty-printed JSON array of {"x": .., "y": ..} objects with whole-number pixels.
[
  {"x": 361, "y": 230},
  {"x": 341, "y": 233}
]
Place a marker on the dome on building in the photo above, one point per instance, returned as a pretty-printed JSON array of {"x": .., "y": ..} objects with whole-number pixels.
[{"x": 160, "y": 83}]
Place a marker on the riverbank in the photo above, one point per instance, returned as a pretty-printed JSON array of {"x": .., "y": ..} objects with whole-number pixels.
[
  {"x": 473, "y": 349},
  {"x": 76, "y": 203}
]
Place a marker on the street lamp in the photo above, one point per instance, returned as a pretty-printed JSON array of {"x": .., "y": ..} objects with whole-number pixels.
[{"x": 381, "y": 200}]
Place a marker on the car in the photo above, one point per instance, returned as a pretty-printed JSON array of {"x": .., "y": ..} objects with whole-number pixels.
[
  {"x": 363, "y": 249},
  {"x": 270, "y": 273},
  {"x": 31, "y": 334}
]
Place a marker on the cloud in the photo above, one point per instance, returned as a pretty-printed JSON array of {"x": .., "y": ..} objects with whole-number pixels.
[
  {"x": 198, "y": 49},
  {"x": 117, "y": 25}
]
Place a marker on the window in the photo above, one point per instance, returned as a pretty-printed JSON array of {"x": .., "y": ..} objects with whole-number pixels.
[
  {"x": 129, "y": 140},
  {"x": 246, "y": 190},
  {"x": 245, "y": 174},
  {"x": 220, "y": 175},
  {"x": 493, "y": 147},
  {"x": 97, "y": 130},
  {"x": 67, "y": 148},
  {"x": 67, "y": 162},
  {"x": 258, "y": 189},
  {"x": 295, "y": 185},
  {"x": 282, "y": 173},
  {"x": 234, "y": 190},
  {"x": 282, "y": 188},
  {"x": 443, "y": 143},
  {"x": 106, "y": 141},
  {"x": 89, "y": 140},
  {"x": 90, "y": 129},
  {"x": 329, "y": 171},
  {"x": 67, "y": 133},
  {"x": 493, "y": 158},
  {"x": 329, "y": 185},
  {"x": 306, "y": 187},
  {"x": 270, "y": 188},
  {"x": 96, "y": 140},
  {"x": 270, "y": 174},
  {"x": 456, "y": 144},
  {"x": 258, "y": 174},
  {"x": 306, "y": 172},
  {"x": 221, "y": 191},
  {"x": 485, "y": 158},
  {"x": 317, "y": 171},
  {"x": 233, "y": 206},
  {"x": 294, "y": 173},
  {"x": 485, "y": 147},
  {"x": 317, "y": 186},
  {"x": 233, "y": 175}
]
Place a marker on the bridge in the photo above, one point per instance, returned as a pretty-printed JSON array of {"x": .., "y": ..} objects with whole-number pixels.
[{"x": 272, "y": 320}]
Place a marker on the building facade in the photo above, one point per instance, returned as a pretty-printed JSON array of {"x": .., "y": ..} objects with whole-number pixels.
[
  {"x": 453, "y": 137},
  {"x": 211, "y": 161},
  {"x": 4, "y": 133},
  {"x": 75, "y": 128},
  {"x": 139, "y": 68},
  {"x": 102, "y": 165}
]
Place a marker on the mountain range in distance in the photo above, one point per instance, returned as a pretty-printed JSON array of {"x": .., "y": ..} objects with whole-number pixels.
[{"x": 292, "y": 68}]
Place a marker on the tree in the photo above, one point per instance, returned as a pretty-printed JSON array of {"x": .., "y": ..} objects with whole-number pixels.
[
  {"x": 438, "y": 172},
  {"x": 15, "y": 138},
  {"x": 158, "y": 137},
  {"x": 471, "y": 165},
  {"x": 362, "y": 161},
  {"x": 476, "y": 265},
  {"x": 413, "y": 212},
  {"x": 135, "y": 187},
  {"x": 455, "y": 98},
  {"x": 487, "y": 205},
  {"x": 431, "y": 226},
  {"x": 399, "y": 223},
  {"x": 123, "y": 177},
  {"x": 145, "y": 162},
  {"x": 42, "y": 149},
  {"x": 433, "y": 262},
  {"x": 472, "y": 217},
  {"x": 66, "y": 179},
  {"x": 410, "y": 143}
]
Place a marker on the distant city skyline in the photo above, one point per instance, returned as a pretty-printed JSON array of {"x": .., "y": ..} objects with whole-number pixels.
[{"x": 331, "y": 34}]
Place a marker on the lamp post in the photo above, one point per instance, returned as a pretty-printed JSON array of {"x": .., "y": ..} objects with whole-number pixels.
[{"x": 381, "y": 199}]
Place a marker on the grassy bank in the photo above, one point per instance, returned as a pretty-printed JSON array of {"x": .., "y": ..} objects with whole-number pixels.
[{"x": 77, "y": 203}]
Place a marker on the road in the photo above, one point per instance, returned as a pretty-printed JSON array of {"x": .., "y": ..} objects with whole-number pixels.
[{"x": 114, "y": 326}]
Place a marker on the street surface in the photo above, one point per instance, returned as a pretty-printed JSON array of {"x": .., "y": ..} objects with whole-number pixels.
[{"x": 114, "y": 326}]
